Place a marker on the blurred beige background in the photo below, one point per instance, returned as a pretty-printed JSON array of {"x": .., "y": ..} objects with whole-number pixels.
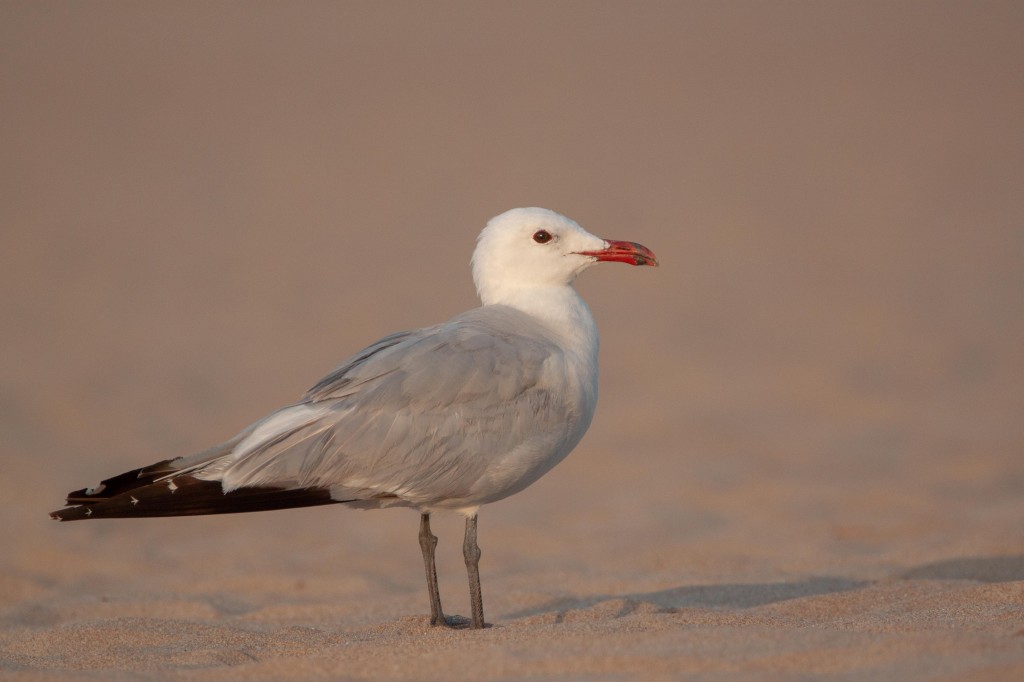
[{"x": 812, "y": 411}]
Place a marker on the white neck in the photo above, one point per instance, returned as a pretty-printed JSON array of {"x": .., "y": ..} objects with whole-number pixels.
[{"x": 560, "y": 309}]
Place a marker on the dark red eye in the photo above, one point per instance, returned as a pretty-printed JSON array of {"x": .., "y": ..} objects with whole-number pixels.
[{"x": 542, "y": 236}]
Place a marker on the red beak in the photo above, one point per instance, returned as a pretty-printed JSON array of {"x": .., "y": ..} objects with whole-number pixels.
[{"x": 624, "y": 252}]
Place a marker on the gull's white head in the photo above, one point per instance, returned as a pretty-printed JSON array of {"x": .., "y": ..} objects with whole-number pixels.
[{"x": 527, "y": 248}]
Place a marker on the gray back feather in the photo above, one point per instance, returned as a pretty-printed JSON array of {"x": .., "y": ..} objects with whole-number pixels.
[{"x": 466, "y": 410}]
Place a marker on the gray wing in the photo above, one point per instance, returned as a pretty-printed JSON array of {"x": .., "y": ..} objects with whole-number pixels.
[{"x": 470, "y": 410}]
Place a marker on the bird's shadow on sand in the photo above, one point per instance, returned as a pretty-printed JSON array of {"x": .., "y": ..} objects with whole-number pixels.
[
  {"x": 726, "y": 596},
  {"x": 750, "y": 595},
  {"x": 994, "y": 569}
]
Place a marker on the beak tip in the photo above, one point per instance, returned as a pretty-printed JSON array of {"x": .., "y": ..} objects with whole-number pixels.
[{"x": 624, "y": 252}]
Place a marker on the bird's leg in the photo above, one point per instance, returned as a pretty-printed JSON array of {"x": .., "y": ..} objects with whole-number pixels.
[
  {"x": 471, "y": 552},
  {"x": 428, "y": 541}
]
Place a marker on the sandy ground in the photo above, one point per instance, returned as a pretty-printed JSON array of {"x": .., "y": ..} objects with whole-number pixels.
[{"x": 807, "y": 461}]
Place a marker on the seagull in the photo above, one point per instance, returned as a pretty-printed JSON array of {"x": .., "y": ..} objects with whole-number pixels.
[{"x": 445, "y": 418}]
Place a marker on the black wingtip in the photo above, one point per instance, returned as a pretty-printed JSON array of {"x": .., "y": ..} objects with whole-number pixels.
[
  {"x": 71, "y": 514},
  {"x": 188, "y": 496}
]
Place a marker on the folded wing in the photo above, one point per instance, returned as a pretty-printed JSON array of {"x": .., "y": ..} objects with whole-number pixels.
[{"x": 456, "y": 412}]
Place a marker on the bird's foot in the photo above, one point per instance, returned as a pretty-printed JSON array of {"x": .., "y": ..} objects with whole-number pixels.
[{"x": 458, "y": 623}]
